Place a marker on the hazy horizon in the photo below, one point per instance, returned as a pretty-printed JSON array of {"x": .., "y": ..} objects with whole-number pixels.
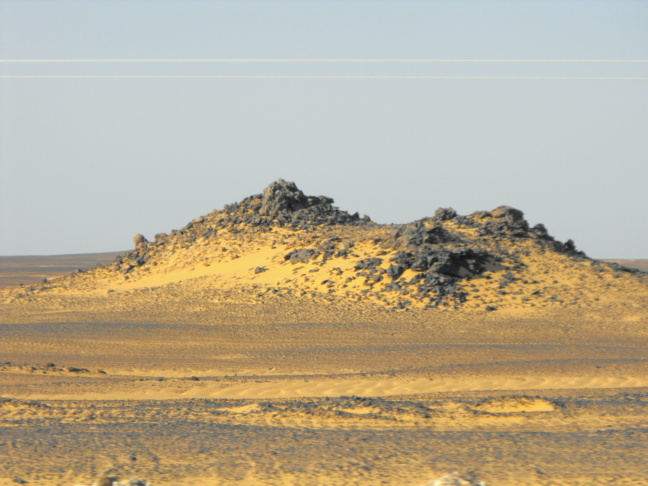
[{"x": 88, "y": 162}]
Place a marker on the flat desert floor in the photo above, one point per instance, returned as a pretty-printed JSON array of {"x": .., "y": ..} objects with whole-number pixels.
[{"x": 311, "y": 394}]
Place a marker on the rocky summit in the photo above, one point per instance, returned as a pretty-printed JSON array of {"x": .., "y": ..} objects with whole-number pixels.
[{"x": 284, "y": 243}]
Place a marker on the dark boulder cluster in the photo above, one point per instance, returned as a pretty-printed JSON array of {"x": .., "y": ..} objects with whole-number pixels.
[
  {"x": 418, "y": 234},
  {"x": 504, "y": 221},
  {"x": 438, "y": 272},
  {"x": 284, "y": 196},
  {"x": 283, "y": 204},
  {"x": 455, "y": 262},
  {"x": 129, "y": 261}
]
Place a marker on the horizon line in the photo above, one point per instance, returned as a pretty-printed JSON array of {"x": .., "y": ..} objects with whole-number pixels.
[
  {"x": 326, "y": 60},
  {"x": 486, "y": 78}
]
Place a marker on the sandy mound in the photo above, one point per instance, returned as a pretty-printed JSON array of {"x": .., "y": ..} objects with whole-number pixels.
[{"x": 284, "y": 243}]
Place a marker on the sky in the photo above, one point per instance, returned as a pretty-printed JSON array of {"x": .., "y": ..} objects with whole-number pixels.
[{"x": 92, "y": 153}]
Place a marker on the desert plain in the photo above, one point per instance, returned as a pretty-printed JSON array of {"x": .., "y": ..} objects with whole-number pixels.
[{"x": 282, "y": 341}]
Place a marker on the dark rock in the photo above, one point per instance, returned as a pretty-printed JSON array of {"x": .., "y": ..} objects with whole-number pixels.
[
  {"x": 506, "y": 222},
  {"x": 260, "y": 269},
  {"x": 72, "y": 369},
  {"x": 465, "y": 221},
  {"x": 403, "y": 258},
  {"x": 418, "y": 234},
  {"x": 281, "y": 195},
  {"x": 140, "y": 241},
  {"x": 445, "y": 214},
  {"x": 508, "y": 212},
  {"x": 368, "y": 263},
  {"x": 395, "y": 271},
  {"x": 540, "y": 229},
  {"x": 209, "y": 232},
  {"x": 302, "y": 255}
]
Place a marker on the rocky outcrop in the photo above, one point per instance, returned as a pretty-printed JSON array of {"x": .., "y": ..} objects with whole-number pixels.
[
  {"x": 283, "y": 204},
  {"x": 430, "y": 262},
  {"x": 284, "y": 196}
]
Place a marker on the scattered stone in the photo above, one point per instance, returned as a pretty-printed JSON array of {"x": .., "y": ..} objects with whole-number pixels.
[
  {"x": 368, "y": 263},
  {"x": 72, "y": 369}
]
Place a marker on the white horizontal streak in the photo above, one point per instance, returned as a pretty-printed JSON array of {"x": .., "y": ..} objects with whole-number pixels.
[
  {"x": 541, "y": 78},
  {"x": 571, "y": 61}
]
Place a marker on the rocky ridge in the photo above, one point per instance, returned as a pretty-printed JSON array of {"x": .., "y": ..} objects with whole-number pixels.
[{"x": 487, "y": 259}]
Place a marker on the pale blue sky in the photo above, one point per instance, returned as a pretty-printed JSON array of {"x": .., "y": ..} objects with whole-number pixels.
[{"x": 87, "y": 163}]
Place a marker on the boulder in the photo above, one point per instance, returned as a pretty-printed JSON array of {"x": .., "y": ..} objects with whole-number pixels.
[
  {"x": 540, "y": 229},
  {"x": 368, "y": 263},
  {"x": 508, "y": 212},
  {"x": 395, "y": 271},
  {"x": 445, "y": 214},
  {"x": 284, "y": 196},
  {"x": 302, "y": 255},
  {"x": 140, "y": 240}
]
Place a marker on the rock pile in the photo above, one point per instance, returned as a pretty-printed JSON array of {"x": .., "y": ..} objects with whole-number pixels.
[
  {"x": 430, "y": 262},
  {"x": 283, "y": 204}
]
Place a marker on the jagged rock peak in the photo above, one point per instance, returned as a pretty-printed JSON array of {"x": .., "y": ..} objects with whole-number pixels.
[
  {"x": 282, "y": 195},
  {"x": 283, "y": 204}
]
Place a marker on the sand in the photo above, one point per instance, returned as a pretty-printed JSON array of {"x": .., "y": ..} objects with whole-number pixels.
[{"x": 404, "y": 399}]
